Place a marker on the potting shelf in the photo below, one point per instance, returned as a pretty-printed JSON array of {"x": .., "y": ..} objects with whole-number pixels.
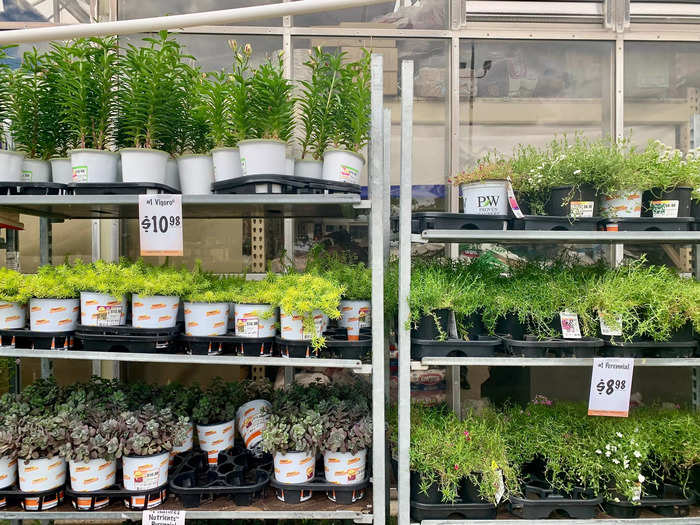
[
  {"x": 542, "y": 361},
  {"x": 648, "y": 519},
  {"x": 556, "y": 236},
  {"x": 193, "y": 206}
]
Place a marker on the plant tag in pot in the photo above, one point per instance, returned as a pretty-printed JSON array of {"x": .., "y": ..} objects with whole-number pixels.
[
  {"x": 108, "y": 315},
  {"x": 611, "y": 383},
  {"x": 664, "y": 208},
  {"x": 637, "y": 492},
  {"x": 250, "y": 326},
  {"x": 513, "y": 201},
  {"x": 581, "y": 208},
  {"x": 615, "y": 329},
  {"x": 501, "y": 486},
  {"x": 80, "y": 174},
  {"x": 318, "y": 324},
  {"x": 163, "y": 517},
  {"x": 569, "y": 325}
]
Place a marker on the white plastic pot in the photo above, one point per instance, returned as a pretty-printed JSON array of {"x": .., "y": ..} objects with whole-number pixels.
[
  {"x": 145, "y": 473},
  {"x": 172, "y": 175},
  {"x": 155, "y": 311},
  {"x": 344, "y": 468},
  {"x": 295, "y": 467},
  {"x": 215, "y": 438},
  {"x": 87, "y": 476},
  {"x": 35, "y": 170},
  {"x": 94, "y": 165},
  {"x": 203, "y": 319},
  {"x": 144, "y": 165},
  {"x": 355, "y": 315},
  {"x": 226, "y": 162},
  {"x": 101, "y": 309},
  {"x": 8, "y": 472},
  {"x": 196, "y": 174},
  {"x": 255, "y": 320},
  {"x": 292, "y": 328},
  {"x": 53, "y": 315},
  {"x": 342, "y": 166},
  {"x": 489, "y": 197},
  {"x": 251, "y": 419},
  {"x": 38, "y": 475},
  {"x": 289, "y": 167},
  {"x": 11, "y": 163},
  {"x": 623, "y": 204},
  {"x": 61, "y": 170},
  {"x": 263, "y": 157},
  {"x": 12, "y": 317},
  {"x": 311, "y": 169}
]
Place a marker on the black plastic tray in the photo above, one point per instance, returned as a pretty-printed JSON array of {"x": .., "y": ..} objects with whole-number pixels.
[
  {"x": 344, "y": 349},
  {"x": 552, "y": 222},
  {"x": 119, "y": 188},
  {"x": 584, "y": 347},
  {"x": 282, "y": 184},
  {"x": 436, "y": 220},
  {"x": 670, "y": 502},
  {"x": 117, "y": 492},
  {"x": 32, "y": 188},
  {"x": 539, "y": 503},
  {"x": 640, "y": 224},
  {"x": 128, "y": 330},
  {"x": 13, "y": 495},
  {"x": 442, "y": 511},
  {"x": 483, "y": 346},
  {"x": 23, "y": 338},
  {"x": 344, "y": 494},
  {"x": 228, "y": 344},
  {"x": 137, "y": 344},
  {"x": 670, "y": 349},
  {"x": 295, "y": 349}
]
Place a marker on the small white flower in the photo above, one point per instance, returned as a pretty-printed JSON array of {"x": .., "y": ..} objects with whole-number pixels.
[
  {"x": 607, "y": 447},
  {"x": 641, "y": 478},
  {"x": 616, "y": 461},
  {"x": 637, "y": 454},
  {"x": 614, "y": 448},
  {"x": 618, "y": 434},
  {"x": 607, "y": 454},
  {"x": 577, "y": 172},
  {"x": 598, "y": 451},
  {"x": 617, "y": 500}
]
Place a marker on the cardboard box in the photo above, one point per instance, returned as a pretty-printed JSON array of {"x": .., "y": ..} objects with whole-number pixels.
[
  {"x": 391, "y": 55},
  {"x": 391, "y": 82}
]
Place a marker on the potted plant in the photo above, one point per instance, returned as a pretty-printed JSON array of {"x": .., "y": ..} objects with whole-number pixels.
[
  {"x": 350, "y": 119},
  {"x": 215, "y": 417},
  {"x": 696, "y": 204},
  {"x": 255, "y": 310},
  {"x": 59, "y": 139},
  {"x": 151, "y": 93},
  {"x": 13, "y": 300},
  {"x": 484, "y": 188},
  {"x": 181, "y": 399},
  {"x": 85, "y": 71},
  {"x": 156, "y": 292},
  {"x": 10, "y": 161},
  {"x": 9, "y": 440},
  {"x": 206, "y": 306},
  {"x": 252, "y": 415},
  {"x": 54, "y": 305},
  {"x": 271, "y": 122},
  {"x": 103, "y": 293},
  {"x": 621, "y": 191}
]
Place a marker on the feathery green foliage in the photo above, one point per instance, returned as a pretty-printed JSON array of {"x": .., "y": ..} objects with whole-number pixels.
[{"x": 271, "y": 106}]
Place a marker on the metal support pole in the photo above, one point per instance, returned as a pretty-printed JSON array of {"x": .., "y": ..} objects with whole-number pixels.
[
  {"x": 45, "y": 258},
  {"x": 404, "y": 335},
  {"x": 376, "y": 187},
  {"x": 387, "y": 237}
]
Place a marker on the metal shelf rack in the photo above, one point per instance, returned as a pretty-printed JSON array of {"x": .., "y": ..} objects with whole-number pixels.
[{"x": 542, "y": 361}]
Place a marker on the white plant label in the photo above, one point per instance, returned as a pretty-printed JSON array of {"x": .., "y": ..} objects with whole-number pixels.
[
  {"x": 501, "y": 486},
  {"x": 27, "y": 175},
  {"x": 80, "y": 174},
  {"x": 318, "y": 324},
  {"x": 569, "y": 325},
  {"x": 664, "y": 208},
  {"x": 611, "y": 384},
  {"x": 163, "y": 517},
  {"x": 581, "y": 208},
  {"x": 513, "y": 201},
  {"x": 160, "y": 224},
  {"x": 348, "y": 173},
  {"x": 606, "y": 329},
  {"x": 109, "y": 315},
  {"x": 250, "y": 329}
]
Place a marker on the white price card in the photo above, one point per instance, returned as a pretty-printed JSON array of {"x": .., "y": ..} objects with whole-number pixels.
[
  {"x": 611, "y": 384},
  {"x": 160, "y": 224},
  {"x": 163, "y": 517}
]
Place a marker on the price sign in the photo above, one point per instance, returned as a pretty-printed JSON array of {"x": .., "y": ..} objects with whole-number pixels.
[
  {"x": 160, "y": 224},
  {"x": 611, "y": 384},
  {"x": 163, "y": 517}
]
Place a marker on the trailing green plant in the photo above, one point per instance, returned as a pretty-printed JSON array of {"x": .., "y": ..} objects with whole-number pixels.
[
  {"x": 148, "y": 280},
  {"x": 343, "y": 268},
  {"x": 350, "y": 114},
  {"x": 152, "y": 431},
  {"x": 218, "y": 403},
  {"x": 12, "y": 287},
  {"x": 346, "y": 427},
  {"x": 663, "y": 168},
  {"x": 263, "y": 291}
]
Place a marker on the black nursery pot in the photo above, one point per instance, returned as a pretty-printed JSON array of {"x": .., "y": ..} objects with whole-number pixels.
[
  {"x": 469, "y": 492},
  {"x": 474, "y": 325},
  {"x": 560, "y": 198},
  {"x": 696, "y": 210},
  {"x": 433, "y": 495},
  {"x": 680, "y": 194},
  {"x": 511, "y": 325},
  {"x": 428, "y": 329}
]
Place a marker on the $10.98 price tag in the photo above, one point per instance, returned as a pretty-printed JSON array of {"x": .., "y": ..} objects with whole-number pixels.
[
  {"x": 611, "y": 384},
  {"x": 160, "y": 224}
]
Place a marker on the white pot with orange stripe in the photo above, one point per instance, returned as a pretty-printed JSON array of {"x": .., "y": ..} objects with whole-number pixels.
[
  {"x": 295, "y": 467},
  {"x": 292, "y": 327},
  {"x": 8, "y": 475},
  {"x": 145, "y": 473},
  {"x": 101, "y": 309},
  {"x": 53, "y": 315},
  {"x": 345, "y": 468},
  {"x": 12, "y": 315},
  {"x": 251, "y": 418},
  {"x": 86, "y": 476},
  {"x": 215, "y": 438},
  {"x": 255, "y": 320},
  {"x": 205, "y": 319},
  {"x": 353, "y": 316},
  {"x": 38, "y": 475},
  {"x": 186, "y": 446},
  {"x": 155, "y": 311}
]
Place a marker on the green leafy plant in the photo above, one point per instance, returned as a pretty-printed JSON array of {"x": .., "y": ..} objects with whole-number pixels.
[
  {"x": 42, "y": 436},
  {"x": 297, "y": 430},
  {"x": 347, "y": 427},
  {"x": 353, "y": 276},
  {"x": 240, "y": 94},
  {"x": 196, "y": 115},
  {"x": 9, "y": 435},
  {"x": 5, "y": 92},
  {"x": 256, "y": 389},
  {"x": 270, "y": 102},
  {"x": 12, "y": 287},
  {"x": 152, "y": 431},
  {"x": 51, "y": 282},
  {"x": 663, "y": 168},
  {"x": 218, "y": 403},
  {"x": 106, "y": 396},
  {"x": 148, "y": 280},
  {"x": 216, "y": 102},
  {"x": 179, "y": 398},
  {"x": 95, "y": 434},
  {"x": 491, "y": 167},
  {"x": 350, "y": 114}
]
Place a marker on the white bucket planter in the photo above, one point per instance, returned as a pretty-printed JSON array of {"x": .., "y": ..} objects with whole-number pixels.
[
  {"x": 263, "y": 157},
  {"x": 101, "y": 309},
  {"x": 624, "y": 204},
  {"x": 251, "y": 418},
  {"x": 61, "y": 170},
  {"x": 342, "y": 166},
  {"x": 145, "y": 473},
  {"x": 196, "y": 174},
  {"x": 144, "y": 165},
  {"x": 292, "y": 328},
  {"x": 215, "y": 438},
  {"x": 155, "y": 311},
  {"x": 11, "y": 163},
  {"x": 8, "y": 472},
  {"x": 290, "y": 167},
  {"x": 489, "y": 197},
  {"x": 38, "y": 475},
  {"x": 87, "y": 476},
  {"x": 295, "y": 467},
  {"x": 255, "y": 320},
  {"x": 353, "y": 316},
  {"x": 12, "y": 317},
  {"x": 203, "y": 319},
  {"x": 172, "y": 175},
  {"x": 53, "y": 315},
  {"x": 94, "y": 165},
  {"x": 227, "y": 163},
  {"x": 344, "y": 468},
  {"x": 311, "y": 169},
  {"x": 35, "y": 170}
]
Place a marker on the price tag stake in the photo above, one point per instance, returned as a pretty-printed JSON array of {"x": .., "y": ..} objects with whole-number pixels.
[
  {"x": 611, "y": 384},
  {"x": 163, "y": 517},
  {"x": 160, "y": 225}
]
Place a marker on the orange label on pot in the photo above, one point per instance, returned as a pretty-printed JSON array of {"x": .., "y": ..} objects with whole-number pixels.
[
  {"x": 90, "y": 480},
  {"x": 144, "y": 317},
  {"x": 217, "y": 442},
  {"x": 188, "y": 311},
  {"x": 36, "y": 308},
  {"x": 42, "y": 321},
  {"x": 305, "y": 460},
  {"x": 114, "y": 303},
  {"x": 137, "y": 304},
  {"x": 11, "y": 318},
  {"x": 210, "y": 313},
  {"x": 54, "y": 465},
  {"x": 5, "y": 305},
  {"x": 39, "y": 480},
  {"x": 164, "y": 318},
  {"x": 353, "y": 460},
  {"x": 210, "y": 432},
  {"x": 157, "y": 306},
  {"x": 220, "y": 323},
  {"x": 292, "y": 474},
  {"x": 251, "y": 409},
  {"x": 286, "y": 328},
  {"x": 285, "y": 461},
  {"x": 81, "y": 469},
  {"x": 30, "y": 469},
  {"x": 228, "y": 429},
  {"x": 65, "y": 321},
  {"x": 339, "y": 473},
  {"x": 57, "y": 309},
  {"x": 193, "y": 323},
  {"x": 104, "y": 465},
  {"x": 91, "y": 302},
  {"x": 333, "y": 460},
  {"x": 76, "y": 308}
]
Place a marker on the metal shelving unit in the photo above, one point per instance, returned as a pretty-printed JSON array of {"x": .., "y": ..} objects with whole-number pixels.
[{"x": 541, "y": 361}]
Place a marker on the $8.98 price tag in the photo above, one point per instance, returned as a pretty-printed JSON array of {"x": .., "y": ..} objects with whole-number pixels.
[
  {"x": 160, "y": 224},
  {"x": 611, "y": 383}
]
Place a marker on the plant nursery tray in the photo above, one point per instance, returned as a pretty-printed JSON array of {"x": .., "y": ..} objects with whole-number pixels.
[
  {"x": 483, "y": 346},
  {"x": 540, "y": 503},
  {"x": 640, "y": 224},
  {"x": 463, "y": 511},
  {"x": 292, "y": 493},
  {"x": 94, "y": 498},
  {"x": 37, "y": 340},
  {"x": 670, "y": 502},
  {"x": 282, "y": 184},
  {"x": 228, "y": 344},
  {"x": 32, "y": 188},
  {"x": 137, "y": 344},
  {"x": 120, "y": 188},
  {"x": 552, "y": 222},
  {"x": 344, "y": 349},
  {"x": 13, "y": 496},
  {"x": 584, "y": 347},
  {"x": 295, "y": 349},
  {"x": 435, "y": 220},
  {"x": 127, "y": 330},
  {"x": 668, "y": 349}
]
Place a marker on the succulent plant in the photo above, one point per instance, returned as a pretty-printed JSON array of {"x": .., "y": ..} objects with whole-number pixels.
[
  {"x": 40, "y": 398},
  {"x": 107, "y": 395},
  {"x": 256, "y": 389},
  {"x": 42, "y": 436},
  {"x": 179, "y": 398},
  {"x": 218, "y": 403},
  {"x": 346, "y": 427},
  {"x": 96, "y": 435},
  {"x": 9, "y": 435},
  {"x": 152, "y": 431},
  {"x": 296, "y": 431}
]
